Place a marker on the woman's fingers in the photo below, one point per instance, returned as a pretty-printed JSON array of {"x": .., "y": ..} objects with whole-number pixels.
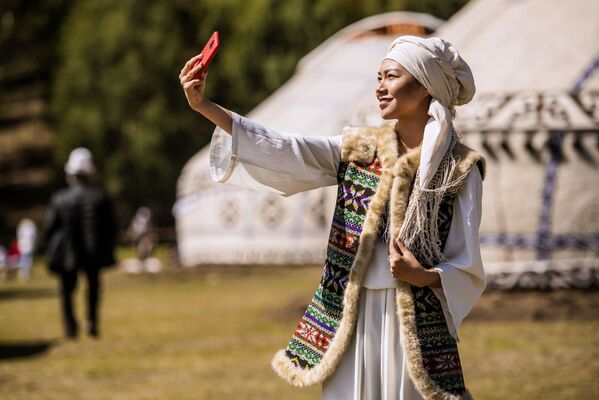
[
  {"x": 189, "y": 65},
  {"x": 192, "y": 72},
  {"x": 393, "y": 266},
  {"x": 190, "y": 75},
  {"x": 195, "y": 82},
  {"x": 192, "y": 83},
  {"x": 186, "y": 67},
  {"x": 398, "y": 246},
  {"x": 199, "y": 81},
  {"x": 392, "y": 250}
]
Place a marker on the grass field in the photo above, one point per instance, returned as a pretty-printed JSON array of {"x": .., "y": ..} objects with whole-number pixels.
[{"x": 210, "y": 334}]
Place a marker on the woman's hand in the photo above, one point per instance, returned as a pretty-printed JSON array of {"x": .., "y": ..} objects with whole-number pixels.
[
  {"x": 194, "y": 91},
  {"x": 193, "y": 88},
  {"x": 406, "y": 267}
]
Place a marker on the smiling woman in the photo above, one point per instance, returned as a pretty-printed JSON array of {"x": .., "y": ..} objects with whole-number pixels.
[{"x": 403, "y": 264}]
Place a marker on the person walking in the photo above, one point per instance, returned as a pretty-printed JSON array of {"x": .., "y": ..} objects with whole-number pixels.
[
  {"x": 403, "y": 264},
  {"x": 80, "y": 229}
]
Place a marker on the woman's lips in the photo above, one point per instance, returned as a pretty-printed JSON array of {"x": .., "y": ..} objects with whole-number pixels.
[{"x": 383, "y": 103}]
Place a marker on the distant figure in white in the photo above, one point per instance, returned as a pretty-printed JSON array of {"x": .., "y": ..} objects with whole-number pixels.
[
  {"x": 142, "y": 235},
  {"x": 26, "y": 240}
]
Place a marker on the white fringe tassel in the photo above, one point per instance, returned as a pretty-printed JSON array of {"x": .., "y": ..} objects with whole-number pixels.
[{"x": 419, "y": 231}]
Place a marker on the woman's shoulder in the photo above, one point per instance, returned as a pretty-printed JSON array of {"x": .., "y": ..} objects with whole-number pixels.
[{"x": 468, "y": 157}]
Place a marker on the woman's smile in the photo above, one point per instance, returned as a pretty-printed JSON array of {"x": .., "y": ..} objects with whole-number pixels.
[{"x": 384, "y": 102}]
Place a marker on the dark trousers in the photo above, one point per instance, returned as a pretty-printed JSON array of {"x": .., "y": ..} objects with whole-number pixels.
[{"x": 68, "y": 284}]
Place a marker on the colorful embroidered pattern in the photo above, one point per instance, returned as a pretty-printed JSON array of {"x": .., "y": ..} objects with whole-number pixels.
[
  {"x": 317, "y": 328},
  {"x": 439, "y": 349}
]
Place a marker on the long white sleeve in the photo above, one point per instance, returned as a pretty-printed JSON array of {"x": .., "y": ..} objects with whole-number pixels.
[
  {"x": 462, "y": 276},
  {"x": 259, "y": 158}
]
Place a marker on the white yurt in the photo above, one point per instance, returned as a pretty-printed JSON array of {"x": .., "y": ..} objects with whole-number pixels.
[
  {"x": 223, "y": 224},
  {"x": 535, "y": 117}
]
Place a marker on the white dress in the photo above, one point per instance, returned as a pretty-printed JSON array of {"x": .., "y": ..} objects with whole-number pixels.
[{"x": 373, "y": 367}]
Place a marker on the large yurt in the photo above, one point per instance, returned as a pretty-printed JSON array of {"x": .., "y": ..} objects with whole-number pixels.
[
  {"x": 223, "y": 224},
  {"x": 535, "y": 118}
]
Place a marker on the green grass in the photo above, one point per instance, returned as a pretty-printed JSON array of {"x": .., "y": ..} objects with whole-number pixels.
[{"x": 210, "y": 334}]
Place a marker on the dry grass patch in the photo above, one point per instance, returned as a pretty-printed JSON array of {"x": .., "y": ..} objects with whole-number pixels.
[{"x": 210, "y": 334}]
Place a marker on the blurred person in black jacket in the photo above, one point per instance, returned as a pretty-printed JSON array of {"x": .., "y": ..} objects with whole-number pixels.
[{"x": 80, "y": 229}]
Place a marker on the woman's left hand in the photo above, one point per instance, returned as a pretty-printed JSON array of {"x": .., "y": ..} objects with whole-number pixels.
[{"x": 406, "y": 267}]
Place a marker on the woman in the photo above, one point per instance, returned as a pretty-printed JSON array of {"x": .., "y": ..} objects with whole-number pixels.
[{"x": 403, "y": 263}]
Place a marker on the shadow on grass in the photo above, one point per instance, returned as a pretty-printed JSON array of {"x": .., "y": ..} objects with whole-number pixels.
[
  {"x": 27, "y": 293},
  {"x": 13, "y": 350}
]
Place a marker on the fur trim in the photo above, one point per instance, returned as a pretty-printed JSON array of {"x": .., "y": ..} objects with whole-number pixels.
[
  {"x": 468, "y": 158},
  {"x": 359, "y": 144},
  {"x": 411, "y": 345},
  {"x": 405, "y": 172},
  {"x": 386, "y": 147}
]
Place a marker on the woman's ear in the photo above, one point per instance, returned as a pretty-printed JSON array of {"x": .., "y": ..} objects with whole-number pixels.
[{"x": 427, "y": 95}]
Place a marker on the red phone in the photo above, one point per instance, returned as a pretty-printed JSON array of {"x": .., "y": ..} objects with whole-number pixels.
[{"x": 208, "y": 53}]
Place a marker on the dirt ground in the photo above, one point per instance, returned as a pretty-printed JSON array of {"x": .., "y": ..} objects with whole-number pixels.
[{"x": 210, "y": 333}]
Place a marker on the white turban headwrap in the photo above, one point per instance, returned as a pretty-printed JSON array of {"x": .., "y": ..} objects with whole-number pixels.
[{"x": 437, "y": 65}]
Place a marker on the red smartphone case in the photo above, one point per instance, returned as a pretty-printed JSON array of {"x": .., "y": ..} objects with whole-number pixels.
[{"x": 208, "y": 53}]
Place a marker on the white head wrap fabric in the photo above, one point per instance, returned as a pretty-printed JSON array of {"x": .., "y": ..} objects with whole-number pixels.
[{"x": 437, "y": 65}]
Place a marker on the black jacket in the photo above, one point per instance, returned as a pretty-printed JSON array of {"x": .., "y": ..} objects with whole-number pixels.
[{"x": 80, "y": 229}]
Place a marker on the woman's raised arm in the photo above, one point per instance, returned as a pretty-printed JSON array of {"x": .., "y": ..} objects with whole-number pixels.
[
  {"x": 256, "y": 157},
  {"x": 194, "y": 92}
]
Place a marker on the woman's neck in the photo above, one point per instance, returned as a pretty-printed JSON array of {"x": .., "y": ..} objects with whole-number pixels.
[{"x": 410, "y": 131}]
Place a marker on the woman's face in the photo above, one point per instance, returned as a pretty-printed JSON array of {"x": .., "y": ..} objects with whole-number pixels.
[{"x": 398, "y": 92}]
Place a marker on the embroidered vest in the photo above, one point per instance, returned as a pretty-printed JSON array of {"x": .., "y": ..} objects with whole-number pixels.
[{"x": 370, "y": 176}]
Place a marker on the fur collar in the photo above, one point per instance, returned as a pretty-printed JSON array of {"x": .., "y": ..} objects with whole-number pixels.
[{"x": 362, "y": 143}]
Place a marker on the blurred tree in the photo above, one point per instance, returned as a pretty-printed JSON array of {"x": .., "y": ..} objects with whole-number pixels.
[
  {"x": 264, "y": 39},
  {"x": 28, "y": 39},
  {"x": 29, "y": 32},
  {"x": 117, "y": 92}
]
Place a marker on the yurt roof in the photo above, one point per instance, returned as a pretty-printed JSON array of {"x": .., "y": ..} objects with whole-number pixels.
[
  {"x": 533, "y": 44},
  {"x": 339, "y": 71},
  {"x": 528, "y": 54}
]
